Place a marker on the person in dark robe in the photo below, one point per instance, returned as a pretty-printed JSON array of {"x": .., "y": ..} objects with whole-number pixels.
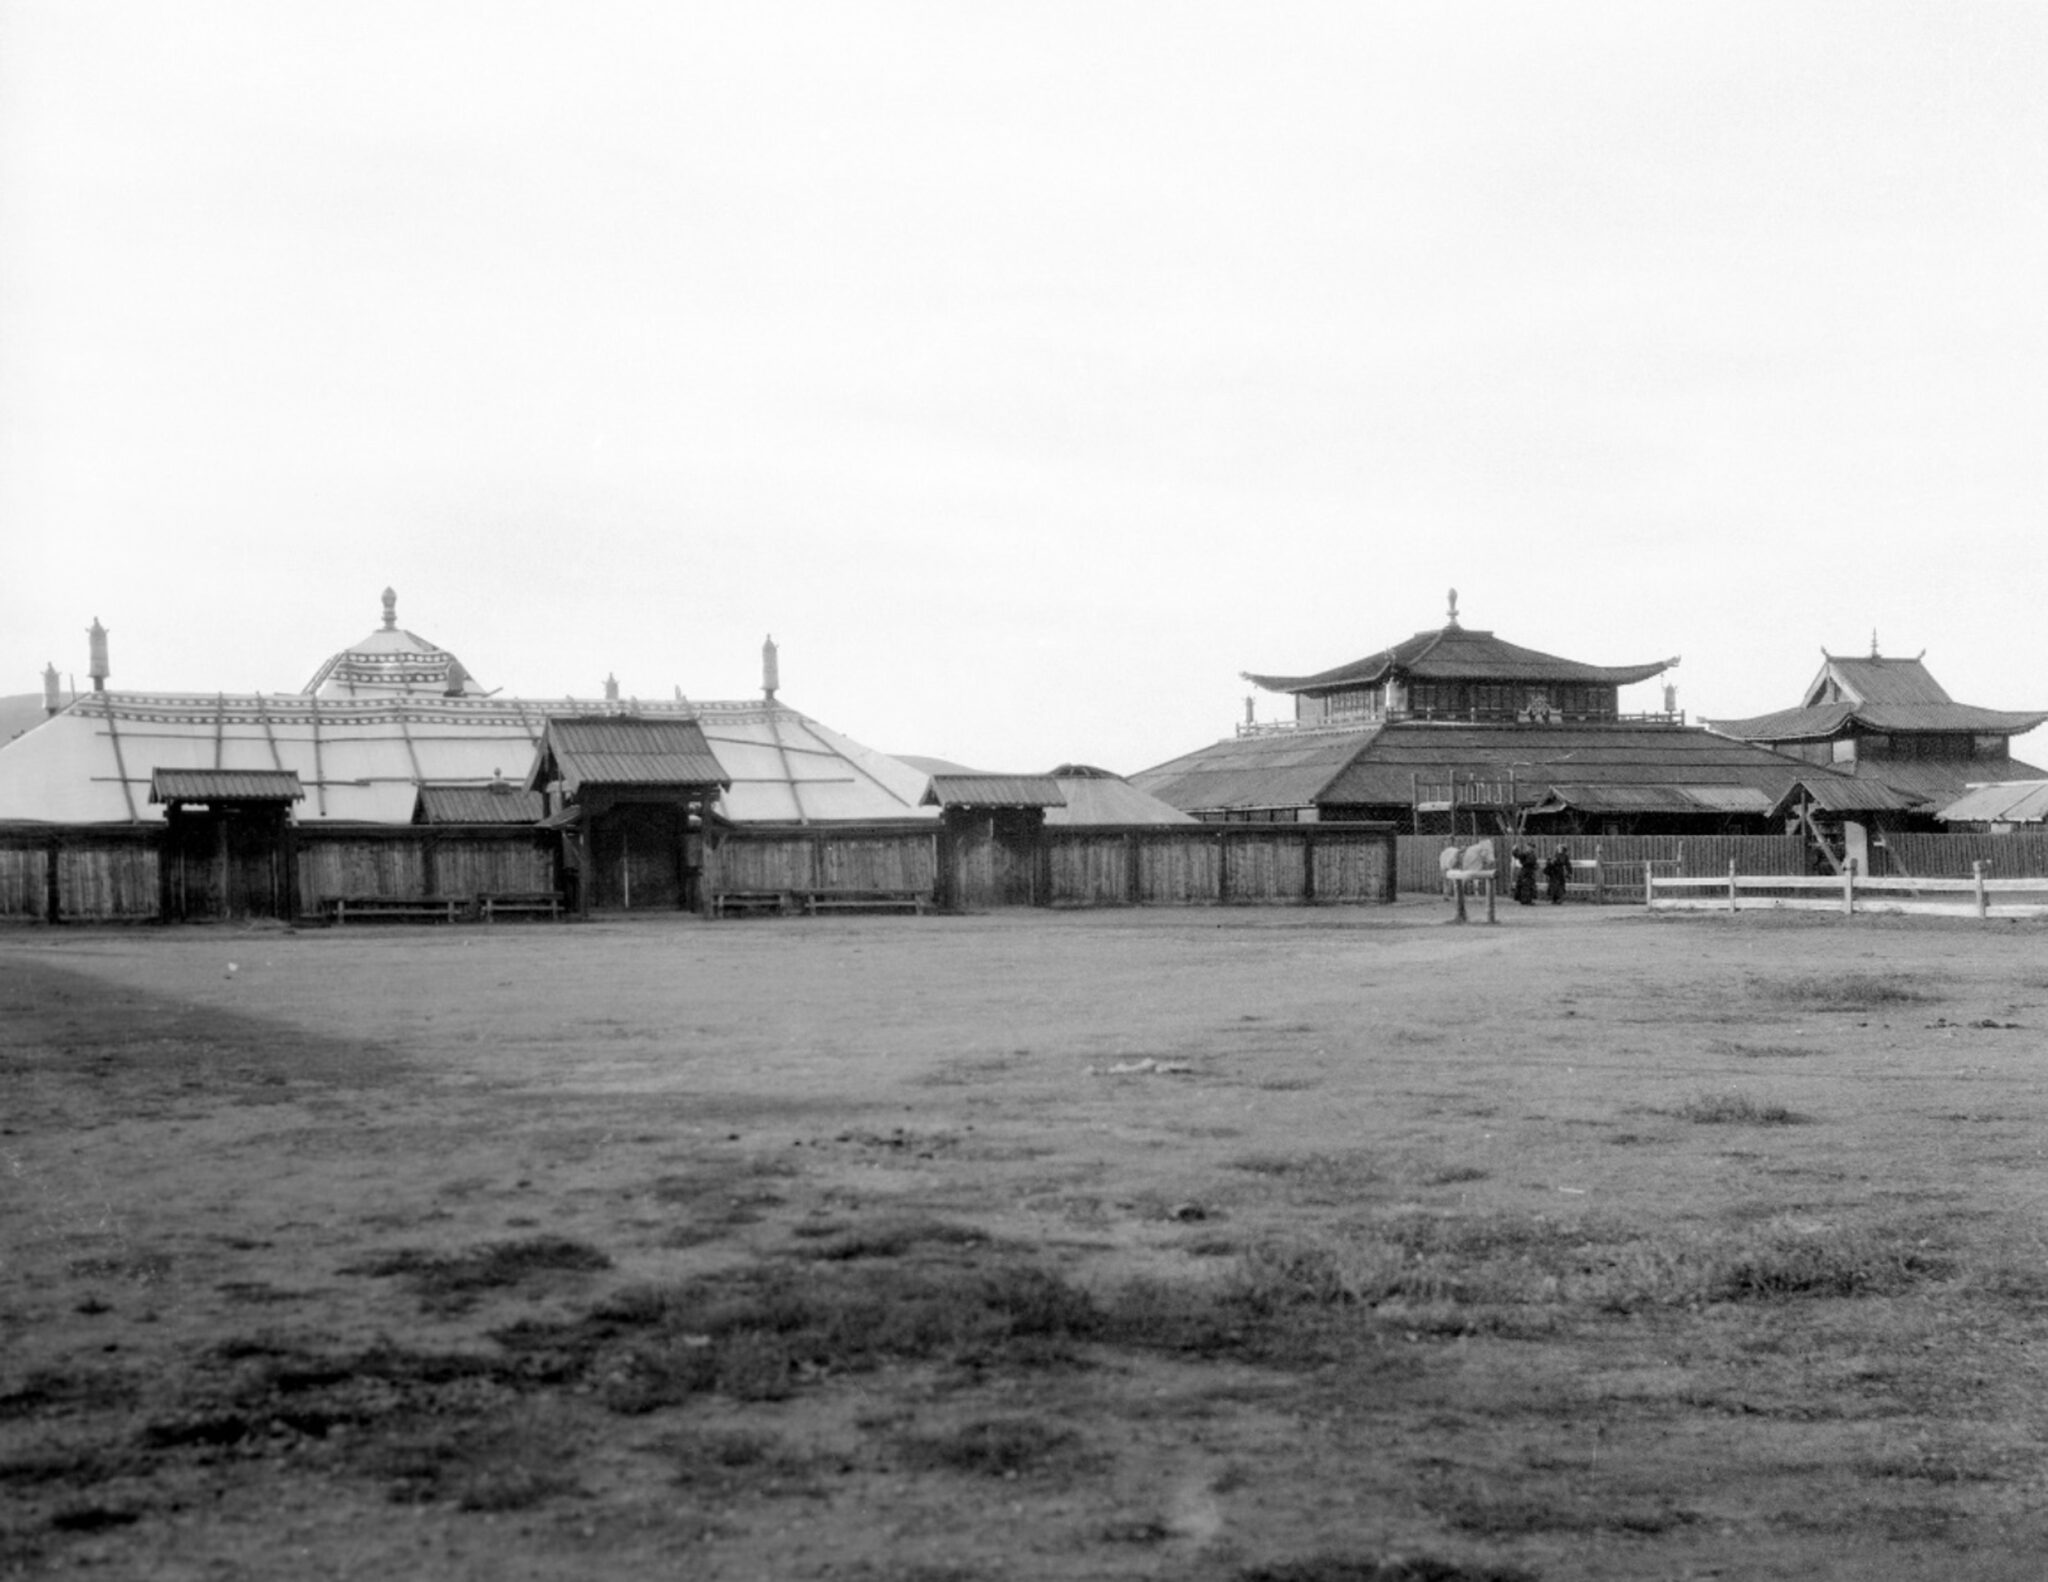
[
  {"x": 1524, "y": 858},
  {"x": 1557, "y": 873}
]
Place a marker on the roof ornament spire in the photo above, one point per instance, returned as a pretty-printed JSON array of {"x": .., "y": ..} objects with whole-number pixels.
[
  {"x": 390, "y": 610},
  {"x": 1873, "y": 644},
  {"x": 1451, "y": 618},
  {"x": 771, "y": 670},
  {"x": 96, "y": 648}
]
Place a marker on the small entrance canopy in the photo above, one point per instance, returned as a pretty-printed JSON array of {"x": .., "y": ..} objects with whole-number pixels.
[
  {"x": 211, "y": 787},
  {"x": 624, "y": 752},
  {"x": 993, "y": 791},
  {"x": 1840, "y": 794},
  {"x": 497, "y": 803}
]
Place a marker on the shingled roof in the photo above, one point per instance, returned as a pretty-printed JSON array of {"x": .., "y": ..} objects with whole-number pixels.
[
  {"x": 624, "y": 750},
  {"x": 1647, "y": 767}
]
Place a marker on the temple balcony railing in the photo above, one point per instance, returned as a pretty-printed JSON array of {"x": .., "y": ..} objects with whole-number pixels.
[{"x": 1331, "y": 724}]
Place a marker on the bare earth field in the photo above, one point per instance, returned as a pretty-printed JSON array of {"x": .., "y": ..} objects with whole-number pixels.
[{"x": 1266, "y": 1246}]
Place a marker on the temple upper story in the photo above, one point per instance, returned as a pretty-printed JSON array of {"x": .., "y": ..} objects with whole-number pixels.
[
  {"x": 1452, "y": 673},
  {"x": 392, "y": 663}
]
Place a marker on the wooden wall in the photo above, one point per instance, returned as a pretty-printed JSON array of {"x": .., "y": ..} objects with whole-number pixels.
[
  {"x": 1217, "y": 864},
  {"x": 808, "y": 857},
  {"x": 2019, "y": 855},
  {"x": 108, "y": 874}
]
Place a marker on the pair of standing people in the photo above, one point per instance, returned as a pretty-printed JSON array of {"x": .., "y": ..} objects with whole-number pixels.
[{"x": 1556, "y": 871}]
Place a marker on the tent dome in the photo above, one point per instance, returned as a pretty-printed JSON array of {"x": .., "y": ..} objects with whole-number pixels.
[{"x": 392, "y": 662}]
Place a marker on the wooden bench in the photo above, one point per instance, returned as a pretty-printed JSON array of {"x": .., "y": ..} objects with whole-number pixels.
[
  {"x": 816, "y": 901},
  {"x": 519, "y": 903},
  {"x": 740, "y": 903},
  {"x": 408, "y": 908}
]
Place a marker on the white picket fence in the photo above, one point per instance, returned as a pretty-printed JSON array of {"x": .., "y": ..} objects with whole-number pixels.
[{"x": 1847, "y": 893}]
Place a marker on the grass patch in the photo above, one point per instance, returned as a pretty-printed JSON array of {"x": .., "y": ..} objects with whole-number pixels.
[
  {"x": 891, "y": 1237},
  {"x": 757, "y": 1334},
  {"x": 451, "y": 1282},
  {"x": 1748, "y": 1051},
  {"x": 1737, "y": 1109},
  {"x": 1849, "y": 991},
  {"x": 995, "y": 1447},
  {"x": 1352, "y": 1568}
]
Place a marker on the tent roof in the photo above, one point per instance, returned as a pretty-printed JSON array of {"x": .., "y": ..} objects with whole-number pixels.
[
  {"x": 392, "y": 662},
  {"x": 362, "y": 760}
]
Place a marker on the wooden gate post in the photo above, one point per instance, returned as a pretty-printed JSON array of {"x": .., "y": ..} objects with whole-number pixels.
[
  {"x": 1731, "y": 883},
  {"x": 1977, "y": 878},
  {"x": 1849, "y": 887}
]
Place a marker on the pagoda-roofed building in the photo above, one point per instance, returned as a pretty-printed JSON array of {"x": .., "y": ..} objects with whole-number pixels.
[
  {"x": 1887, "y": 721},
  {"x": 1455, "y": 674},
  {"x": 1460, "y": 730}
]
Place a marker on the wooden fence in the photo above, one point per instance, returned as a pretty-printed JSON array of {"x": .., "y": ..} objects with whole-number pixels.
[
  {"x": 1849, "y": 893},
  {"x": 1064, "y": 866},
  {"x": 115, "y": 874},
  {"x": 1214, "y": 865},
  {"x": 1609, "y": 868},
  {"x": 2019, "y": 855},
  {"x": 80, "y": 875}
]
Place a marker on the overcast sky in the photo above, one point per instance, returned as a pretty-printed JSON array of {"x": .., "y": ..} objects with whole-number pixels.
[{"x": 1028, "y": 370}]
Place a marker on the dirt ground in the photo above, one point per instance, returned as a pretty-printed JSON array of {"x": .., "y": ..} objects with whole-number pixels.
[{"x": 1271, "y": 1246}]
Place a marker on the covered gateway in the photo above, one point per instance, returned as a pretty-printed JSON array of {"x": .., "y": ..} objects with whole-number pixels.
[{"x": 631, "y": 796}]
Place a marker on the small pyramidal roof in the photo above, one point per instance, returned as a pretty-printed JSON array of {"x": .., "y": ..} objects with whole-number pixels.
[{"x": 392, "y": 663}]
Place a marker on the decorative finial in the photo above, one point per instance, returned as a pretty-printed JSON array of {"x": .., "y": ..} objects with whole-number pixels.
[
  {"x": 96, "y": 638},
  {"x": 53, "y": 697},
  {"x": 1452, "y": 619},
  {"x": 390, "y": 609},
  {"x": 771, "y": 670},
  {"x": 1248, "y": 708},
  {"x": 1873, "y": 643},
  {"x": 611, "y": 689}
]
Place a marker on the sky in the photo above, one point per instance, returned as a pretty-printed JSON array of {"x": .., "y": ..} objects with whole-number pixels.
[{"x": 1029, "y": 370}]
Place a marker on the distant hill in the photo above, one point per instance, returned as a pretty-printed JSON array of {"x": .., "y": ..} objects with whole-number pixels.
[{"x": 18, "y": 713}]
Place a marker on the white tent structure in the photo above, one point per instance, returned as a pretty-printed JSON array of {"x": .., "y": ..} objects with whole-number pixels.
[{"x": 394, "y": 712}]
